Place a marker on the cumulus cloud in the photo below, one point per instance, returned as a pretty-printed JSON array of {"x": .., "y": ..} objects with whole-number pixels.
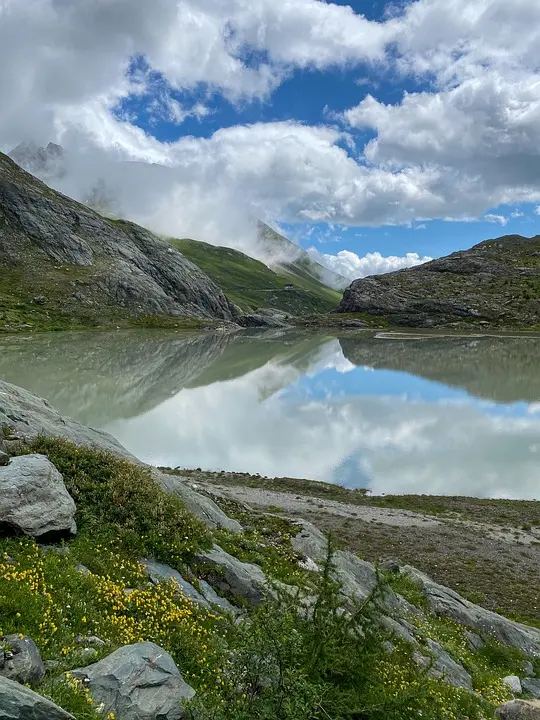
[
  {"x": 469, "y": 142},
  {"x": 352, "y": 266},
  {"x": 498, "y": 219}
]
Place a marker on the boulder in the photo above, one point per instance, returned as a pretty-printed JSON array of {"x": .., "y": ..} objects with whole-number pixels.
[
  {"x": 29, "y": 416},
  {"x": 513, "y": 683},
  {"x": 531, "y": 686},
  {"x": 19, "y": 703},
  {"x": 34, "y": 499},
  {"x": 231, "y": 576},
  {"x": 20, "y": 659},
  {"x": 201, "y": 506},
  {"x": 519, "y": 710},
  {"x": 447, "y": 603},
  {"x": 4, "y": 457},
  {"x": 159, "y": 572},
  {"x": 137, "y": 682}
]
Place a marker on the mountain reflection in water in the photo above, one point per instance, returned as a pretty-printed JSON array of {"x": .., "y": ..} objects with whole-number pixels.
[{"x": 427, "y": 415}]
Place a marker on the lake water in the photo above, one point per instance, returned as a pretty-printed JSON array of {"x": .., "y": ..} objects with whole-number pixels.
[{"x": 431, "y": 415}]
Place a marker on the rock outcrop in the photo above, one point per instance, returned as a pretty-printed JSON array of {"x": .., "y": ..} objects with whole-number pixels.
[
  {"x": 201, "y": 506},
  {"x": 232, "y": 576},
  {"x": 495, "y": 283},
  {"x": 89, "y": 268},
  {"x": 18, "y": 702},
  {"x": 34, "y": 499},
  {"x": 137, "y": 682},
  {"x": 447, "y": 603}
]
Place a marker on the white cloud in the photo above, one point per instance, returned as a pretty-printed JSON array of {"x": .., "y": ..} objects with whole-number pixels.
[
  {"x": 499, "y": 219},
  {"x": 352, "y": 266},
  {"x": 468, "y": 143},
  {"x": 517, "y": 214},
  {"x": 537, "y": 210}
]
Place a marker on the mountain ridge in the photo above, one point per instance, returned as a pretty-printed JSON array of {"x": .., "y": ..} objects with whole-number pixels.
[{"x": 496, "y": 283}]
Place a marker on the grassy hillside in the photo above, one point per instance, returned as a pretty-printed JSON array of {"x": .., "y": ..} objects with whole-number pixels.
[
  {"x": 277, "y": 664},
  {"x": 251, "y": 284}
]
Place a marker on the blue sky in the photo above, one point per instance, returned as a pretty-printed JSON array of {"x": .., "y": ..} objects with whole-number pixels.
[{"x": 396, "y": 130}]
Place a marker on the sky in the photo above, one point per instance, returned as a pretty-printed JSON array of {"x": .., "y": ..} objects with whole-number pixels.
[{"x": 375, "y": 134}]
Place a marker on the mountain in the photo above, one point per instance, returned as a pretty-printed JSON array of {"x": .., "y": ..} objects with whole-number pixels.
[
  {"x": 253, "y": 285},
  {"x": 41, "y": 161},
  {"x": 287, "y": 256},
  {"x": 494, "y": 284},
  {"x": 64, "y": 265}
]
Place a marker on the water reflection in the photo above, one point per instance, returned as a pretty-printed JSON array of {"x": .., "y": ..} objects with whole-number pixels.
[{"x": 454, "y": 416}]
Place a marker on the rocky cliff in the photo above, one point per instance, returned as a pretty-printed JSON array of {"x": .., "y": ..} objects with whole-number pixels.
[
  {"x": 496, "y": 283},
  {"x": 63, "y": 264}
]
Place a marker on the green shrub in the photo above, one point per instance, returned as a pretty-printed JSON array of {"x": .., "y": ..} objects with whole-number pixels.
[{"x": 121, "y": 504}]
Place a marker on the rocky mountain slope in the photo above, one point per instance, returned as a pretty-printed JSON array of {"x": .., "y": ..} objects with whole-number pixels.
[
  {"x": 494, "y": 284},
  {"x": 126, "y": 593},
  {"x": 62, "y": 264}
]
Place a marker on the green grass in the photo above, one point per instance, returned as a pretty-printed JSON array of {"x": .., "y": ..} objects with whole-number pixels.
[{"x": 250, "y": 284}]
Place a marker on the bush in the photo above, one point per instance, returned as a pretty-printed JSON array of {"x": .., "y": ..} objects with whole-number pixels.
[{"x": 121, "y": 504}]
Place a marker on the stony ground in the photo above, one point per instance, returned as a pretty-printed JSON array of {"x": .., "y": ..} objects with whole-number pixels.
[{"x": 489, "y": 551}]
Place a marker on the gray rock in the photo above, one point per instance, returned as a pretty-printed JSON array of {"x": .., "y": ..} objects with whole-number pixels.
[
  {"x": 400, "y": 628},
  {"x": 519, "y": 710},
  {"x": 528, "y": 668},
  {"x": 4, "y": 459},
  {"x": 20, "y": 659},
  {"x": 82, "y": 569},
  {"x": 531, "y": 686},
  {"x": 474, "y": 641},
  {"x": 310, "y": 542},
  {"x": 20, "y": 703},
  {"x": 90, "y": 640},
  {"x": 358, "y": 578},
  {"x": 137, "y": 682},
  {"x": 513, "y": 683},
  {"x": 201, "y": 506},
  {"x": 34, "y": 499},
  {"x": 214, "y": 599},
  {"x": 159, "y": 572},
  {"x": 29, "y": 416},
  {"x": 390, "y": 566},
  {"x": 447, "y": 669},
  {"x": 231, "y": 576},
  {"x": 448, "y": 603}
]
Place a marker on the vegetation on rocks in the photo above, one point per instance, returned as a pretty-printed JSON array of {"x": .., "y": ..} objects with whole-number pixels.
[{"x": 297, "y": 655}]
